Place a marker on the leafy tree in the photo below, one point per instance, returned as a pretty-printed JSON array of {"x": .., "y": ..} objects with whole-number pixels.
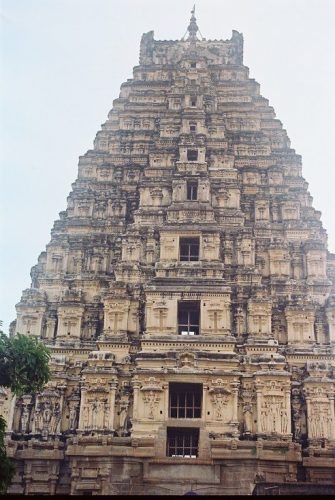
[
  {"x": 24, "y": 370},
  {"x": 7, "y": 469},
  {"x": 23, "y": 364}
]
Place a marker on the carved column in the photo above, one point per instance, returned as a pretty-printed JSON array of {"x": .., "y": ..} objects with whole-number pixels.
[
  {"x": 332, "y": 416},
  {"x": 113, "y": 386},
  {"x": 235, "y": 401},
  {"x": 259, "y": 406},
  {"x": 82, "y": 406},
  {"x": 288, "y": 409},
  {"x": 136, "y": 386},
  {"x": 61, "y": 402},
  {"x": 166, "y": 400},
  {"x": 204, "y": 401},
  {"x": 308, "y": 405}
]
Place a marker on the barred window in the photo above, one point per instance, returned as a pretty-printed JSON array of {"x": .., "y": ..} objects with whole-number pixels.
[
  {"x": 192, "y": 155},
  {"x": 189, "y": 249},
  {"x": 182, "y": 442},
  {"x": 189, "y": 318},
  {"x": 185, "y": 400},
  {"x": 192, "y": 190}
]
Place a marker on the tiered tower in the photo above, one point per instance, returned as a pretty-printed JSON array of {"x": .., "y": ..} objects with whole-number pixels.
[{"x": 186, "y": 295}]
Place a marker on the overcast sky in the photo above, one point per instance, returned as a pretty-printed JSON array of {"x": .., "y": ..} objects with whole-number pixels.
[{"x": 62, "y": 64}]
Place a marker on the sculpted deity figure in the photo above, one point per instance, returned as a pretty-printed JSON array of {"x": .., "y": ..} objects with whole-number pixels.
[
  {"x": 284, "y": 421},
  {"x": 38, "y": 418},
  {"x": 151, "y": 398},
  {"x": 312, "y": 431},
  {"x": 24, "y": 419},
  {"x": 124, "y": 405},
  {"x": 55, "y": 417},
  {"x": 86, "y": 415},
  {"x": 100, "y": 410},
  {"x": 297, "y": 424},
  {"x": 264, "y": 420},
  {"x": 46, "y": 415},
  {"x": 220, "y": 405},
  {"x": 73, "y": 418},
  {"x": 247, "y": 413},
  {"x": 94, "y": 413}
]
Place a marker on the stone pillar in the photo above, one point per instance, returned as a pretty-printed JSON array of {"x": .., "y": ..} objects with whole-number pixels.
[
  {"x": 332, "y": 416},
  {"x": 82, "y": 405},
  {"x": 235, "y": 401},
  {"x": 113, "y": 386},
  {"x": 61, "y": 402},
  {"x": 288, "y": 409},
  {"x": 204, "y": 402},
  {"x": 166, "y": 400},
  {"x": 259, "y": 406},
  {"x": 136, "y": 386},
  {"x": 308, "y": 405}
]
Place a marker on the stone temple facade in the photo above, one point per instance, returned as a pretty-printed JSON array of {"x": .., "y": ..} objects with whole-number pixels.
[{"x": 187, "y": 297}]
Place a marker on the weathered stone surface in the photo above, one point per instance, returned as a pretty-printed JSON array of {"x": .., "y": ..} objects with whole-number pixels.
[{"x": 189, "y": 253}]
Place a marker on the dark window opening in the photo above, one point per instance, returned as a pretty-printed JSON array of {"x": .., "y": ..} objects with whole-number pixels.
[
  {"x": 189, "y": 318},
  {"x": 193, "y": 127},
  {"x": 193, "y": 102},
  {"x": 189, "y": 249},
  {"x": 192, "y": 190},
  {"x": 193, "y": 64},
  {"x": 182, "y": 442},
  {"x": 192, "y": 155},
  {"x": 185, "y": 400}
]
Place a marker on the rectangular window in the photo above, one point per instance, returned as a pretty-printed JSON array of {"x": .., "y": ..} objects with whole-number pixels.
[
  {"x": 193, "y": 64},
  {"x": 193, "y": 127},
  {"x": 182, "y": 442},
  {"x": 185, "y": 400},
  {"x": 188, "y": 317},
  {"x": 189, "y": 249},
  {"x": 192, "y": 190},
  {"x": 193, "y": 102},
  {"x": 192, "y": 155}
]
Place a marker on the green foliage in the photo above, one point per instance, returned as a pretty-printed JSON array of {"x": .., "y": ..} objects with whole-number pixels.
[
  {"x": 7, "y": 469},
  {"x": 24, "y": 370},
  {"x": 23, "y": 364}
]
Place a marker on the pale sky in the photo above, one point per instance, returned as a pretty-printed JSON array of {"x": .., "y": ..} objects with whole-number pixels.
[{"x": 62, "y": 64}]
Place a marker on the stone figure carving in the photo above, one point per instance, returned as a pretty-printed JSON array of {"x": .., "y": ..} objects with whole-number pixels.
[
  {"x": 284, "y": 421},
  {"x": 94, "y": 413},
  {"x": 320, "y": 422},
  {"x": 220, "y": 401},
  {"x": 56, "y": 416},
  {"x": 264, "y": 418},
  {"x": 125, "y": 421},
  {"x": 151, "y": 401},
  {"x": 73, "y": 417},
  {"x": 247, "y": 413},
  {"x": 46, "y": 414},
  {"x": 24, "y": 419},
  {"x": 123, "y": 414}
]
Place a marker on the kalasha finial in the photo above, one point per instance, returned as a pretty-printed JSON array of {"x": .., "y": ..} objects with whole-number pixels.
[{"x": 193, "y": 27}]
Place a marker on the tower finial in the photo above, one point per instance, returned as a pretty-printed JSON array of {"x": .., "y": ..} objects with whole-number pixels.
[{"x": 193, "y": 27}]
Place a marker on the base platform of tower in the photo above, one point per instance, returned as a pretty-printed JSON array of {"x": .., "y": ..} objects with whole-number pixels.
[{"x": 187, "y": 297}]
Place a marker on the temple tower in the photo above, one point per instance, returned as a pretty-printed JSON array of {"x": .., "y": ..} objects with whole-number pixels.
[{"x": 187, "y": 297}]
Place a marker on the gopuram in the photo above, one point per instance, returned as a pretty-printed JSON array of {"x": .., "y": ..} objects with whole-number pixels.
[{"x": 187, "y": 297}]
